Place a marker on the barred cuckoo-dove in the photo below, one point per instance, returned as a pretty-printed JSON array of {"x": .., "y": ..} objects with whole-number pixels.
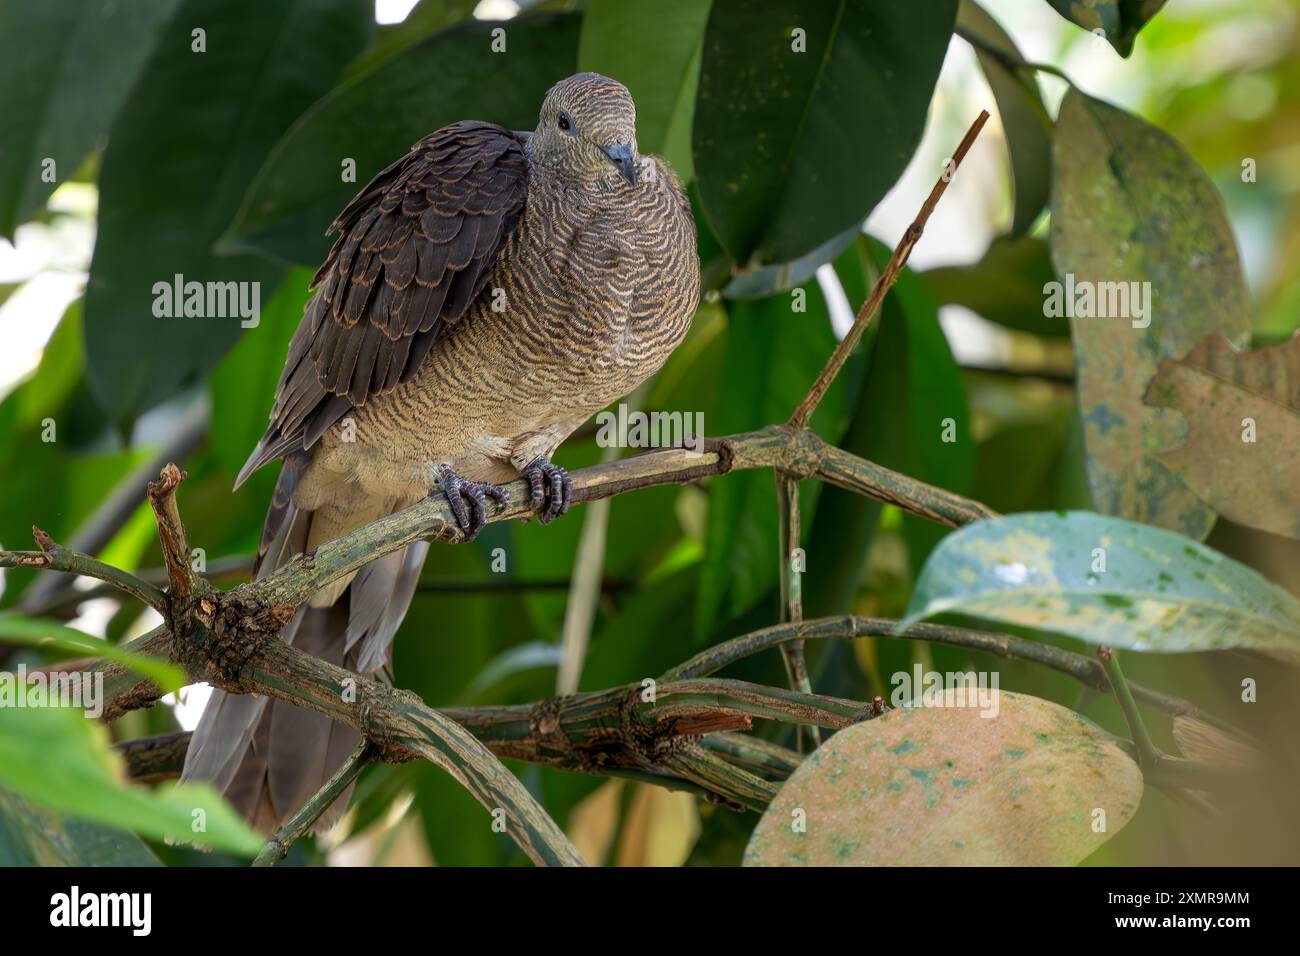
[{"x": 487, "y": 293}]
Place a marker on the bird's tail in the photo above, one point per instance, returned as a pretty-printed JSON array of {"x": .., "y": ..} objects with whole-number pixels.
[{"x": 268, "y": 757}]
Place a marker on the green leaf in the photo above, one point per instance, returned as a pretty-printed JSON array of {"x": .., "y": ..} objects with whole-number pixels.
[
  {"x": 34, "y": 836},
  {"x": 1243, "y": 424},
  {"x": 63, "y": 361},
  {"x": 792, "y": 148},
  {"x": 426, "y": 19},
  {"x": 1105, "y": 580},
  {"x": 243, "y": 385},
  {"x": 61, "y": 760},
  {"x": 374, "y": 118},
  {"x": 762, "y": 281},
  {"x": 1006, "y": 286},
  {"x": 52, "y": 636},
  {"x": 773, "y": 356},
  {"x": 911, "y": 372},
  {"x": 48, "y": 482},
  {"x": 65, "y": 68},
  {"x": 532, "y": 655},
  {"x": 1020, "y": 106},
  {"x": 1119, "y": 20},
  {"x": 1132, "y": 212},
  {"x": 941, "y": 785},
  {"x": 180, "y": 157},
  {"x": 1016, "y": 466},
  {"x": 653, "y": 50}
]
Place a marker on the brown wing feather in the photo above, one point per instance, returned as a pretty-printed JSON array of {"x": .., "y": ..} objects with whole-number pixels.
[{"x": 415, "y": 248}]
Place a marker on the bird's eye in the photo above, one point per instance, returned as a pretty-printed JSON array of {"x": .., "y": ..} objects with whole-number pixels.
[{"x": 564, "y": 122}]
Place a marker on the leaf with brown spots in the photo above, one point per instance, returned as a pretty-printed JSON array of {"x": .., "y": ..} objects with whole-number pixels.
[
  {"x": 1243, "y": 429},
  {"x": 1032, "y": 785},
  {"x": 1132, "y": 212},
  {"x": 1105, "y": 581}
]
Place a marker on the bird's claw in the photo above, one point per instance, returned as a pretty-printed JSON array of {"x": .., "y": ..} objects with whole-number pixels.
[
  {"x": 550, "y": 489},
  {"x": 468, "y": 501}
]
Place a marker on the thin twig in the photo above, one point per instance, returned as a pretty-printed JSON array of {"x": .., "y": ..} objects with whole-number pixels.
[
  {"x": 804, "y": 412},
  {"x": 1010, "y": 62},
  {"x": 55, "y": 557},
  {"x": 787, "y": 506},
  {"x": 171, "y": 533},
  {"x": 1149, "y": 756},
  {"x": 1086, "y": 670},
  {"x": 277, "y": 848},
  {"x": 796, "y": 451},
  {"x": 117, "y": 508}
]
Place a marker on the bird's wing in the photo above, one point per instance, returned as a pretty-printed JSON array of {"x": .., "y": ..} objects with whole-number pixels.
[{"x": 415, "y": 248}]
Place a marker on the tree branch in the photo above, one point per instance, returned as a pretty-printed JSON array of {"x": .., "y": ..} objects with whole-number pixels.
[
  {"x": 798, "y": 452},
  {"x": 277, "y": 848},
  {"x": 55, "y": 557},
  {"x": 803, "y": 414},
  {"x": 681, "y": 732},
  {"x": 796, "y": 669}
]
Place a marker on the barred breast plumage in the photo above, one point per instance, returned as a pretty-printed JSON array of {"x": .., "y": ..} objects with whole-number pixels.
[{"x": 487, "y": 294}]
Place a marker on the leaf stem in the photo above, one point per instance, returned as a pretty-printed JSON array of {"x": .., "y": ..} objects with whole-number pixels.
[
  {"x": 277, "y": 848},
  {"x": 1149, "y": 757},
  {"x": 808, "y": 737},
  {"x": 54, "y": 557}
]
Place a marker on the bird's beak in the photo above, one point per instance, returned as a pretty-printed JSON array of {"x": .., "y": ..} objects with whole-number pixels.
[{"x": 621, "y": 157}]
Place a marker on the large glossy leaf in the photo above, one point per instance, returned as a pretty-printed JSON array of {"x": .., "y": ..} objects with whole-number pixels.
[
  {"x": 1005, "y": 286},
  {"x": 760, "y": 281},
  {"x": 61, "y": 760},
  {"x": 792, "y": 148},
  {"x": 773, "y": 356},
  {"x": 1242, "y": 409},
  {"x": 910, "y": 372},
  {"x": 654, "y": 50},
  {"x": 1118, "y": 20},
  {"x": 1106, "y": 581},
  {"x": 52, "y": 636},
  {"x": 374, "y": 118},
  {"x": 50, "y": 481},
  {"x": 1016, "y": 466},
  {"x": 243, "y": 385},
  {"x": 1132, "y": 213},
  {"x": 178, "y": 162},
  {"x": 1025, "y": 122},
  {"x": 63, "y": 362},
  {"x": 424, "y": 20},
  {"x": 942, "y": 785},
  {"x": 65, "y": 68},
  {"x": 34, "y": 836}
]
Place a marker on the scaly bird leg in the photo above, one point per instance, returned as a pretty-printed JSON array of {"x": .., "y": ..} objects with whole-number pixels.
[
  {"x": 550, "y": 489},
  {"x": 468, "y": 500}
]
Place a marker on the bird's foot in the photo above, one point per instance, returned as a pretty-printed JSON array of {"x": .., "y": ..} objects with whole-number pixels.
[
  {"x": 550, "y": 489},
  {"x": 468, "y": 500}
]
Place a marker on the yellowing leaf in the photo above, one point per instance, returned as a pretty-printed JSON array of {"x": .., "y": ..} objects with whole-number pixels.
[
  {"x": 1105, "y": 581},
  {"x": 1148, "y": 267},
  {"x": 1243, "y": 429},
  {"x": 1035, "y": 785}
]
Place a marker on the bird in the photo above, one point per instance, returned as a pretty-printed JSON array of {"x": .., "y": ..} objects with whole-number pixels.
[{"x": 486, "y": 294}]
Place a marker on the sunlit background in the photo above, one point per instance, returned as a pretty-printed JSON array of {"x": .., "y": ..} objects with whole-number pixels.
[{"x": 1222, "y": 76}]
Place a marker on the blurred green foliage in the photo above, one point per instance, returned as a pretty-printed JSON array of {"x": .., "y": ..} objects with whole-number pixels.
[{"x": 228, "y": 165}]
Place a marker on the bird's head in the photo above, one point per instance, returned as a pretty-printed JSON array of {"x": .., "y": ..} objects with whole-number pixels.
[{"x": 586, "y": 131}]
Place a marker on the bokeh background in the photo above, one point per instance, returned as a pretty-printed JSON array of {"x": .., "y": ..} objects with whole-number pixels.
[{"x": 678, "y": 568}]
